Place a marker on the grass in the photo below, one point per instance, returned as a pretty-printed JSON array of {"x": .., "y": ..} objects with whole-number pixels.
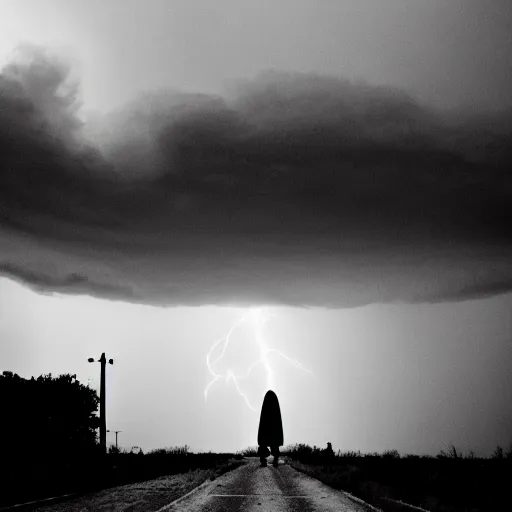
[
  {"x": 148, "y": 496},
  {"x": 449, "y": 482},
  {"x": 252, "y": 451},
  {"x": 25, "y": 480}
]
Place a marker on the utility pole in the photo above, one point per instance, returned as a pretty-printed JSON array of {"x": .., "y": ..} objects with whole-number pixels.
[
  {"x": 103, "y": 420},
  {"x": 116, "y": 432}
]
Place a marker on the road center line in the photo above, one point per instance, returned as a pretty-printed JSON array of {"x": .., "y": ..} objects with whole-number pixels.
[{"x": 257, "y": 495}]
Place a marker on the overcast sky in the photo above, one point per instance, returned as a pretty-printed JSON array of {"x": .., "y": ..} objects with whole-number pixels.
[{"x": 341, "y": 166}]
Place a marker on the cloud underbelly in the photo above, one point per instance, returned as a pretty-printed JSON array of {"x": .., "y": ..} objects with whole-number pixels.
[{"x": 296, "y": 189}]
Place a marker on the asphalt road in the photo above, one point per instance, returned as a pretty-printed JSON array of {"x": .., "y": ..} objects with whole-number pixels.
[
  {"x": 253, "y": 488},
  {"x": 247, "y": 488}
]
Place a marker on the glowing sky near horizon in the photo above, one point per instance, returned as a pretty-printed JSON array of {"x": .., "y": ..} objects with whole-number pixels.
[{"x": 414, "y": 378}]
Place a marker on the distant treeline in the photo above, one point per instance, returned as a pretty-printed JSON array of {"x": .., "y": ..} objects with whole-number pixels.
[
  {"x": 135, "y": 465},
  {"x": 448, "y": 482},
  {"x": 317, "y": 455}
]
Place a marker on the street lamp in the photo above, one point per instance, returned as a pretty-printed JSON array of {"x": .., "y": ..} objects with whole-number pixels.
[
  {"x": 116, "y": 432},
  {"x": 103, "y": 422}
]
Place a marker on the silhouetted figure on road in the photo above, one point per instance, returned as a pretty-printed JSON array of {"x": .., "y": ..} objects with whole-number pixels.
[
  {"x": 270, "y": 431},
  {"x": 328, "y": 454}
]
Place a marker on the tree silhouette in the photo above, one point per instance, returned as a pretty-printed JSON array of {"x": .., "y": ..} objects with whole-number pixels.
[{"x": 48, "y": 417}]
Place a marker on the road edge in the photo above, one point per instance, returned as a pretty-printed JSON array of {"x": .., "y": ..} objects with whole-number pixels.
[
  {"x": 181, "y": 498},
  {"x": 43, "y": 502},
  {"x": 353, "y": 498},
  {"x": 358, "y": 500}
]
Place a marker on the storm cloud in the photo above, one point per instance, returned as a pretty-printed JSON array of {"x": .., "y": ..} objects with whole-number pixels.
[{"x": 292, "y": 189}]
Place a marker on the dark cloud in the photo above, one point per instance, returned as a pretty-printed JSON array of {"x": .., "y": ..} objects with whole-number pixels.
[
  {"x": 70, "y": 283},
  {"x": 476, "y": 291},
  {"x": 294, "y": 188}
]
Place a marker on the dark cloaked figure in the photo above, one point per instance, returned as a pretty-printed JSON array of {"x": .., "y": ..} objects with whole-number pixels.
[
  {"x": 270, "y": 431},
  {"x": 328, "y": 454}
]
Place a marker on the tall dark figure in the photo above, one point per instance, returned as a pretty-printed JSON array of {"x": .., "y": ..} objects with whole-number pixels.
[{"x": 270, "y": 431}]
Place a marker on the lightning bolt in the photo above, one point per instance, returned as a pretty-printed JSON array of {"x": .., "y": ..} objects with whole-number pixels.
[{"x": 257, "y": 317}]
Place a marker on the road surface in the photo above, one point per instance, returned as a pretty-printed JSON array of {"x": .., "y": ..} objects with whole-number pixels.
[
  {"x": 253, "y": 488},
  {"x": 246, "y": 489}
]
